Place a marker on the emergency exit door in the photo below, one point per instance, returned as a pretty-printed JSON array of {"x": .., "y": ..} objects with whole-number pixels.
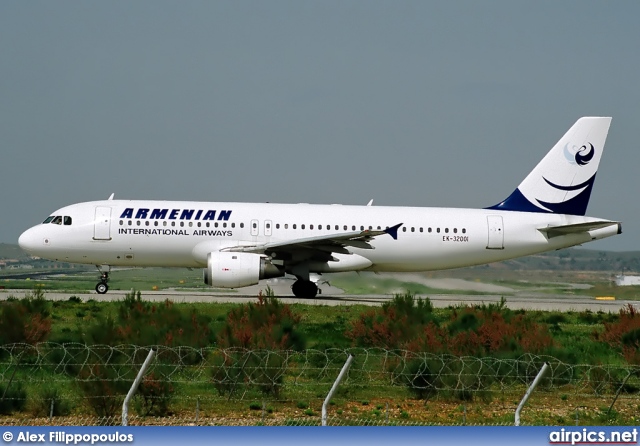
[{"x": 496, "y": 232}]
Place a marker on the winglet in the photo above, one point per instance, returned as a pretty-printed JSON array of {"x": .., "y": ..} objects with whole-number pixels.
[{"x": 393, "y": 231}]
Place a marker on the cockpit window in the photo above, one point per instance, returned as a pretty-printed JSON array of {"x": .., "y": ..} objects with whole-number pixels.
[
  {"x": 48, "y": 220},
  {"x": 57, "y": 220},
  {"x": 67, "y": 220}
]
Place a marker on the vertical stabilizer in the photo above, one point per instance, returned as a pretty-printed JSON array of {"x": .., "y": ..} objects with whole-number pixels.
[{"x": 562, "y": 182}]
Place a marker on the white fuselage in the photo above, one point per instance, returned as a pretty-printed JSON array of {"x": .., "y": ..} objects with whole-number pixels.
[{"x": 182, "y": 234}]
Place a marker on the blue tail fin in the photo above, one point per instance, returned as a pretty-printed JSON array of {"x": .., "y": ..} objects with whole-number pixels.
[{"x": 562, "y": 182}]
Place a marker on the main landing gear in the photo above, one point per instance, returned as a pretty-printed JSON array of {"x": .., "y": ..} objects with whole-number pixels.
[
  {"x": 304, "y": 289},
  {"x": 102, "y": 287}
]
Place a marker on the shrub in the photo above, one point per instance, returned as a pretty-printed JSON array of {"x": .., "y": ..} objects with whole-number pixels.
[
  {"x": 394, "y": 324},
  {"x": 144, "y": 323},
  {"x": 41, "y": 404},
  {"x": 13, "y": 398},
  {"x": 153, "y": 396},
  {"x": 26, "y": 320},
  {"x": 265, "y": 324},
  {"x": 624, "y": 334}
]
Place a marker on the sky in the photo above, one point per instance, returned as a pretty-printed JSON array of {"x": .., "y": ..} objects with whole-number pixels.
[{"x": 409, "y": 103}]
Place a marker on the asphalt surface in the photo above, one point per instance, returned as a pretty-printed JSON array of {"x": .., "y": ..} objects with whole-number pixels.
[{"x": 527, "y": 301}]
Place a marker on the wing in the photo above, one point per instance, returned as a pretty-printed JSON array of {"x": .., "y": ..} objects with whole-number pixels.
[{"x": 320, "y": 247}]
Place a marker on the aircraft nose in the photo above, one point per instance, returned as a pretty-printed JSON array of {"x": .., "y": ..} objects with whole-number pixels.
[{"x": 29, "y": 240}]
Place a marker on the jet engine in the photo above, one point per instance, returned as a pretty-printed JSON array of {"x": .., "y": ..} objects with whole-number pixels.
[{"x": 238, "y": 269}]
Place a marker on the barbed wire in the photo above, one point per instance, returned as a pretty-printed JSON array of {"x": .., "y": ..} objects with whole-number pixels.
[
  {"x": 95, "y": 378},
  {"x": 372, "y": 366}
]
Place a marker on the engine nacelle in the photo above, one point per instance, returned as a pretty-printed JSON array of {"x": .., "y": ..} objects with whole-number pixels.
[{"x": 238, "y": 269}]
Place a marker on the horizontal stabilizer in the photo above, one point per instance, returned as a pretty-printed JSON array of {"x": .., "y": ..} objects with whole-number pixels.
[{"x": 556, "y": 231}]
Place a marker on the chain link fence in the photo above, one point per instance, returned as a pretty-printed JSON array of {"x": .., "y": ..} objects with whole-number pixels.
[{"x": 79, "y": 384}]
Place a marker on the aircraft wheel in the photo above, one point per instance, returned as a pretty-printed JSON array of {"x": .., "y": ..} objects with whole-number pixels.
[
  {"x": 102, "y": 288},
  {"x": 304, "y": 289}
]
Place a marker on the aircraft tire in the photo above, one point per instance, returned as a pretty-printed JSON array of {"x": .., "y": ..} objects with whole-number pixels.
[
  {"x": 304, "y": 289},
  {"x": 102, "y": 288}
]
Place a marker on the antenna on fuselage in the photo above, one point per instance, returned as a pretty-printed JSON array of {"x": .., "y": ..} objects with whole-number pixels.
[{"x": 111, "y": 196}]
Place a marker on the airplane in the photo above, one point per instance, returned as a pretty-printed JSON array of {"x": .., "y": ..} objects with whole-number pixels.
[{"x": 239, "y": 244}]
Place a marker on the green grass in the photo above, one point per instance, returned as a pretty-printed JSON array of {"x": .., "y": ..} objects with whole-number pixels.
[{"x": 324, "y": 327}]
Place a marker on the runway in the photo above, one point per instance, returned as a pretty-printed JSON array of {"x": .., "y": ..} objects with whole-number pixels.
[{"x": 526, "y": 301}]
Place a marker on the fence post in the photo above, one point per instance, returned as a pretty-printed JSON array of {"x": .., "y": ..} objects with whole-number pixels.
[
  {"x": 134, "y": 387},
  {"x": 618, "y": 393},
  {"x": 51, "y": 411},
  {"x": 343, "y": 372},
  {"x": 533, "y": 385}
]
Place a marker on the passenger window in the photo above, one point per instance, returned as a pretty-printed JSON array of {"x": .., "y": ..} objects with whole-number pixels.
[
  {"x": 268, "y": 225},
  {"x": 286, "y": 225},
  {"x": 362, "y": 228},
  {"x": 345, "y": 227},
  {"x": 146, "y": 223},
  {"x": 353, "y": 228},
  {"x": 429, "y": 230},
  {"x": 181, "y": 224},
  {"x": 67, "y": 221},
  {"x": 48, "y": 220},
  {"x": 173, "y": 223},
  {"x": 302, "y": 226},
  {"x": 446, "y": 230},
  {"x": 199, "y": 224},
  {"x": 164, "y": 223},
  {"x": 404, "y": 229},
  {"x": 155, "y": 223},
  {"x": 319, "y": 226},
  {"x": 121, "y": 222},
  {"x": 413, "y": 229},
  {"x": 438, "y": 230},
  {"x": 310, "y": 226},
  {"x": 294, "y": 226},
  {"x": 233, "y": 225},
  {"x": 138, "y": 222},
  {"x": 224, "y": 225},
  {"x": 254, "y": 225},
  {"x": 215, "y": 224},
  {"x": 420, "y": 229},
  {"x": 207, "y": 224},
  {"x": 455, "y": 230},
  {"x": 241, "y": 225},
  {"x": 464, "y": 231},
  {"x": 379, "y": 228},
  {"x": 337, "y": 227},
  {"x": 277, "y": 225}
]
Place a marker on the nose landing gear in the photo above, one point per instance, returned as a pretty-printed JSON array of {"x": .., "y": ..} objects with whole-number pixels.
[{"x": 102, "y": 287}]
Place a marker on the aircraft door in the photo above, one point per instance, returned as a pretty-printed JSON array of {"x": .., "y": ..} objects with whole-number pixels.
[
  {"x": 102, "y": 228},
  {"x": 267, "y": 228},
  {"x": 254, "y": 228},
  {"x": 496, "y": 232}
]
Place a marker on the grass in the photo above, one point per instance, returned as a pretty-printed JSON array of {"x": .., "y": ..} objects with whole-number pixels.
[{"x": 324, "y": 327}]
